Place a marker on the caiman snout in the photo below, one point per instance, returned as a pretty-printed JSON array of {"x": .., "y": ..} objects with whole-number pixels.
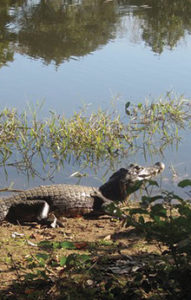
[
  {"x": 139, "y": 173},
  {"x": 160, "y": 166},
  {"x": 126, "y": 181}
]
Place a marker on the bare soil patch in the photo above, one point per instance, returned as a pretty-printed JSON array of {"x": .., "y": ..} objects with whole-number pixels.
[{"x": 116, "y": 255}]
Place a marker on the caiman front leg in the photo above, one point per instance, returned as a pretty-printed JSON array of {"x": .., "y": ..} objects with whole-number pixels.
[
  {"x": 30, "y": 211},
  {"x": 107, "y": 206}
]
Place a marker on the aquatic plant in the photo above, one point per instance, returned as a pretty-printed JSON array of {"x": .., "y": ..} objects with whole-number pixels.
[{"x": 90, "y": 137}]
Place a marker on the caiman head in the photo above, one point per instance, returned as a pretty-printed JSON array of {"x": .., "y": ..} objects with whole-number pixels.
[{"x": 126, "y": 181}]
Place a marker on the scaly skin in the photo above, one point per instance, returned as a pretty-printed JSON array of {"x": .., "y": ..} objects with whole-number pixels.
[{"x": 70, "y": 200}]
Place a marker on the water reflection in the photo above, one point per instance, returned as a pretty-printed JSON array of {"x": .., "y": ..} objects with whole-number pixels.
[
  {"x": 164, "y": 22},
  {"x": 58, "y": 30},
  {"x": 55, "y": 31}
]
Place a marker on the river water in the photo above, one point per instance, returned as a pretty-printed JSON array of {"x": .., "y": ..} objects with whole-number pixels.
[{"x": 68, "y": 54}]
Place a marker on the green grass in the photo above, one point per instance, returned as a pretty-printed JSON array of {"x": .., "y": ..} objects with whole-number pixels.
[{"x": 91, "y": 137}]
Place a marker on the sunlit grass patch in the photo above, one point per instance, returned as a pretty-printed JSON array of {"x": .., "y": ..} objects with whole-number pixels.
[{"x": 91, "y": 137}]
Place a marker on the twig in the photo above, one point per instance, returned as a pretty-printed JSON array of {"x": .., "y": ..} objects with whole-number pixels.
[
  {"x": 11, "y": 190},
  {"x": 15, "y": 266}
]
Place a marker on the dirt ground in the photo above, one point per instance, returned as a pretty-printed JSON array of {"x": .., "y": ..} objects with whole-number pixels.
[
  {"x": 18, "y": 243},
  {"x": 15, "y": 239}
]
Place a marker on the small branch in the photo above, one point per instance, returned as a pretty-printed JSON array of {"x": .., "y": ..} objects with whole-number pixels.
[{"x": 11, "y": 190}]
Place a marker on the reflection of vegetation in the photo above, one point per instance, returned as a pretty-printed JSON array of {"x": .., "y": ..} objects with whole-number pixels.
[
  {"x": 58, "y": 30},
  {"x": 6, "y": 53},
  {"x": 165, "y": 21},
  {"x": 102, "y": 136},
  {"x": 7, "y": 38},
  {"x": 55, "y": 31}
]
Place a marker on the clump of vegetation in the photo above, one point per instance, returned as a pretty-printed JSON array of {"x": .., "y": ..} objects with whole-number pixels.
[
  {"x": 159, "y": 124},
  {"x": 91, "y": 137},
  {"x": 165, "y": 219}
]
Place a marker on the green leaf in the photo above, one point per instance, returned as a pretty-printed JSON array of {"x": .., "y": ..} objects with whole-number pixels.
[
  {"x": 67, "y": 245},
  {"x": 185, "y": 182},
  {"x": 153, "y": 182},
  {"x": 134, "y": 187},
  {"x": 174, "y": 196},
  {"x": 56, "y": 245},
  {"x": 42, "y": 274},
  {"x": 156, "y": 219},
  {"x": 45, "y": 244},
  {"x": 32, "y": 265},
  {"x": 127, "y": 104},
  {"x": 129, "y": 221},
  {"x": 63, "y": 261},
  {"x": 158, "y": 210},
  {"x": 139, "y": 105},
  {"x": 134, "y": 211},
  {"x": 113, "y": 209},
  {"x": 30, "y": 276},
  {"x": 71, "y": 259},
  {"x": 146, "y": 199},
  {"x": 84, "y": 257},
  {"x": 63, "y": 245},
  {"x": 141, "y": 220},
  {"x": 126, "y": 108},
  {"x": 185, "y": 210},
  {"x": 43, "y": 256}
]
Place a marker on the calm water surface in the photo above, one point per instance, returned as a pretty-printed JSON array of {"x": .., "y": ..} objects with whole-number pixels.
[{"x": 71, "y": 53}]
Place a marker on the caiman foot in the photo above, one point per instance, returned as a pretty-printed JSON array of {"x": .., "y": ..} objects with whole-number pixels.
[
  {"x": 51, "y": 221},
  {"x": 107, "y": 206},
  {"x": 32, "y": 211}
]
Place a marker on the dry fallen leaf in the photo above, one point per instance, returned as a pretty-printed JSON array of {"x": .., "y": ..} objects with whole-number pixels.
[
  {"x": 107, "y": 238},
  {"x": 29, "y": 291},
  {"x": 81, "y": 245}
]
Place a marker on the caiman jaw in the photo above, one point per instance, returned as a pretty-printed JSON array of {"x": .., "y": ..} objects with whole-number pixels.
[
  {"x": 126, "y": 181},
  {"x": 136, "y": 175},
  {"x": 148, "y": 172},
  {"x": 139, "y": 173}
]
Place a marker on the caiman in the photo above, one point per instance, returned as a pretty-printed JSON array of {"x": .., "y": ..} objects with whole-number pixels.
[{"x": 37, "y": 204}]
